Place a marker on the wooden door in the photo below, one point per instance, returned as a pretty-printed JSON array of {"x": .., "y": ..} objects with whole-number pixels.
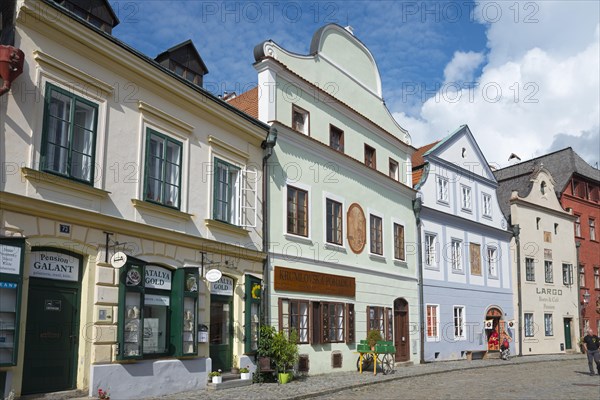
[{"x": 401, "y": 330}]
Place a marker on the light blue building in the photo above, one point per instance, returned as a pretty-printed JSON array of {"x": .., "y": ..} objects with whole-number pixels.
[{"x": 465, "y": 252}]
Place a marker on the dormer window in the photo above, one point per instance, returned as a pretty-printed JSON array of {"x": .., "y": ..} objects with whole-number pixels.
[
  {"x": 97, "y": 12},
  {"x": 543, "y": 187},
  {"x": 184, "y": 60}
]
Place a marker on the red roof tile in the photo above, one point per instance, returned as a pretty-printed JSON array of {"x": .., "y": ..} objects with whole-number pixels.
[{"x": 247, "y": 102}]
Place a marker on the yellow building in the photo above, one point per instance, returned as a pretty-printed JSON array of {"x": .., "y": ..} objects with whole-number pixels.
[{"x": 106, "y": 151}]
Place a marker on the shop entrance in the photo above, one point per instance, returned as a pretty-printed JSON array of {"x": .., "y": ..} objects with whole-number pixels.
[
  {"x": 52, "y": 328},
  {"x": 51, "y": 338},
  {"x": 494, "y": 329},
  {"x": 401, "y": 333},
  {"x": 221, "y": 332},
  {"x": 567, "y": 324}
]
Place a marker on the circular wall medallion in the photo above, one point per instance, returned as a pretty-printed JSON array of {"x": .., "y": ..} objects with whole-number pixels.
[
  {"x": 357, "y": 228},
  {"x": 213, "y": 275}
]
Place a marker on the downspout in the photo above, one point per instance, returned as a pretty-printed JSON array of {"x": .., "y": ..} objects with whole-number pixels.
[
  {"x": 579, "y": 310},
  {"x": 267, "y": 145},
  {"x": 516, "y": 231},
  {"x": 11, "y": 66},
  {"x": 417, "y": 203}
]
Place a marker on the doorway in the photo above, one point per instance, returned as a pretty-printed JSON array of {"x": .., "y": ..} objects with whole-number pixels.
[
  {"x": 51, "y": 337},
  {"x": 221, "y": 332},
  {"x": 401, "y": 333},
  {"x": 494, "y": 329},
  {"x": 567, "y": 325}
]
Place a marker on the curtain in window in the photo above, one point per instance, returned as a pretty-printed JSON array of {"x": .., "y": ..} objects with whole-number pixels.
[
  {"x": 58, "y": 132},
  {"x": 83, "y": 141},
  {"x": 173, "y": 158},
  {"x": 155, "y": 168}
]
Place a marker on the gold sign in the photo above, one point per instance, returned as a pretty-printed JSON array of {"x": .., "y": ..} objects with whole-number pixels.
[
  {"x": 295, "y": 280},
  {"x": 357, "y": 228}
]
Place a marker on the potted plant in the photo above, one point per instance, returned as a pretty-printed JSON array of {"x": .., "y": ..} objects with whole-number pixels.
[
  {"x": 215, "y": 376},
  {"x": 285, "y": 352},
  {"x": 245, "y": 373},
  {"x": 373, "y": 336},
  {"x": 103, "y": 394},
  {"x": 234, "y": 367}
]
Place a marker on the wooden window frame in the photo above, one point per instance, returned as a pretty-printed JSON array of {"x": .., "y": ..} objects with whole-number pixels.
[
  {"x": 382, "y": 321},
  {"x": 295, "y": 230},
  {"x": 548, "y": 271},
  {"x": 370, "y": 157},
  {"x": 332, "y": 220},
  {"x": 394, "y": 169},
  {"x": 335, "y": 130},
  {"x": 399, "y": 252},
  {"x": 375, "y": 235},
  {"x": 287, "y": 329},
  {"x": 306, "y": 115},
  {"x": 432, "y": 322},
  {"x": 163, "y": 183},
  {"x": 71, "y": 124}
]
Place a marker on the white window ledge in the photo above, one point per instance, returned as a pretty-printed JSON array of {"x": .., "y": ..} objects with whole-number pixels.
[
  {"x": 157, "y": 208},
  {"x": 35, "y": 176}
]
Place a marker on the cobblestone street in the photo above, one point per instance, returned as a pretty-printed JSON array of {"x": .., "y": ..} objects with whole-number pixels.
[{"x": 549, "y": 376}]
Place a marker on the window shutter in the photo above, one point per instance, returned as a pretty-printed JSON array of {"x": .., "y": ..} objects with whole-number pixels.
[
  {"x": 389, "y": 324},
  {"x": 316, "y": 319},
  {"x": 350, "y": 323},
  {"x": 325, "y": 321},
  {"x": 280, "y": 309},
  {"x": 249, "y": 198},
  {"x": 475, "y": 255}
]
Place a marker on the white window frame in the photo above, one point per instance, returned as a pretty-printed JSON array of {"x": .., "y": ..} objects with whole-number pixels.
[
  {"x": 487, "y": 205},
  {"x": 492, "y": 261},
  {"x": 460, "y": 331},
  {"x": 430, "y": 250},
  {"x": 578, "y": 226},
  {"x": 592, "y": 223},
  {"x": 435, "y": 338},
  {"x": 456, "y": 258},
  {"x": 442, "y": 187},
  {"x": 596, "y": 278},
  {"x": 308, "y": 190},
  {"x": 548, "y": 271},
  {"x": 466, "y": 198},
  {"x": 548, "y": 325},
  {"x": 567, "y": 274},
  {"x": 529, "y": 325},
  {"x": 245, "y": 196}
]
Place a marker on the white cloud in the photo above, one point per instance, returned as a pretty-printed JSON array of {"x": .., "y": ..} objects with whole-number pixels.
[
  {"x": 462, "y": 67},
  {"x": 529, "y": 92}
]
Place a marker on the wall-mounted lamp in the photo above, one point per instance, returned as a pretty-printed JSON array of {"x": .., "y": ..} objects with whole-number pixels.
[{"x": 586, "y": 297}]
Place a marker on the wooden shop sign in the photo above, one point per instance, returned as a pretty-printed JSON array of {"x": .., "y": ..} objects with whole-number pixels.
[{"x": 295, "y": 280}]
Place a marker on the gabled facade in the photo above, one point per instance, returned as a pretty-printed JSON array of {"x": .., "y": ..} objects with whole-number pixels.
[
  {"x": 107, "y": 151},
  {"x": 544, "y": 253},
  {"x": 578, "y": 190},
  {"x": 465, "y": 252},
  {"x": 340, "y": 202}
]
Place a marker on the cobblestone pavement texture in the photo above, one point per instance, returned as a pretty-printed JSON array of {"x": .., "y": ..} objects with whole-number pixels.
[{"x": 547, "y": 376}]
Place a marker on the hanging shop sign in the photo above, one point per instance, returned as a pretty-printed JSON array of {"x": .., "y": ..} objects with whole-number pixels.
[
  {"x": 157, "y": 277},
  {"x": 295, "y": 280},
  {"x": 213, "y": 275},
  {"x": 10, "y": 259},
  {"x": 118, "y": 259},
  {"x": 53, "y": 265},
  {"x": 223, "y": 286}
]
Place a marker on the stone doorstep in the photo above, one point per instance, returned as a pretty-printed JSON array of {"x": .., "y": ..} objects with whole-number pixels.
[
  {"x": 228, "y": 384},
  {"x": 66, "y": 395},
  {"x": 404, "y": 364}
]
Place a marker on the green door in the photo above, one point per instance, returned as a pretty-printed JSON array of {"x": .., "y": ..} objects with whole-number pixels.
[
  {"x": 51, "y": 338},
  {"x": 567, "y": 322},
  {"x": 221, "y": 332}
]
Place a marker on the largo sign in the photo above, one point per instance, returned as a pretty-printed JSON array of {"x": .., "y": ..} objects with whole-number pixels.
[{"x": 53, "y": 265}]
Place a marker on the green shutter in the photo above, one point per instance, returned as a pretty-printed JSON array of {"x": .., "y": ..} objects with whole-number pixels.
[{"x": 253, "y": 294}]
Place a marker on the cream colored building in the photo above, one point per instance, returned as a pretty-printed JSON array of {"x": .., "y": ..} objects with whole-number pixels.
[
  {"x": 102, "y": 145},
  {"x": 545, "y": 254}
]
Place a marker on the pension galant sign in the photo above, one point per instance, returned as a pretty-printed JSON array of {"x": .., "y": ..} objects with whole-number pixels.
[{"x": 53, "y": 265}]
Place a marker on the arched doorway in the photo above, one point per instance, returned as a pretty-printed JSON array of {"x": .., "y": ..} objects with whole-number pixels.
[
  {"x": 401, "y": 332},
  {"x": 495, "y": 329}
]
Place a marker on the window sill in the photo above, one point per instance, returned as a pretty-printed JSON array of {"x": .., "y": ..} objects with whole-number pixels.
[
  {"x": 34, "y": 176},
  {"x": 213, "y": 223},
  {"x": 147, "y": 206},
  {"x": 432, "y": 268},
  {"x": 443, "y": 203},
  {"x": 493, "y": 277},
  {"x": 335, "y": 247},
  {"x": 467, "y": 210},
  {"x": 458, "y": 272},
  {"x": 377, "y": 257},
  {"x": 401, "y": 263},
  {"x": 296, "y": 238},
  {"x": 487, "y": 217}
]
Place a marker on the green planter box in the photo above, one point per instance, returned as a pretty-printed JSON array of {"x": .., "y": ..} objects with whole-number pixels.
[{"x": 363, "y": 348}]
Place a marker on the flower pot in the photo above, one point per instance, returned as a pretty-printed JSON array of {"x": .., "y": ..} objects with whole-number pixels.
[
  {"x": 285, "y": 377},
  {"x": 235, "y": 370},
  {"x": 246, "y": 375},
  {"x": 217, "y": 379}
]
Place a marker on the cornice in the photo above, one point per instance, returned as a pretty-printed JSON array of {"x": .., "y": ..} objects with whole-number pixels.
[
  {"x": 463, "y": 172},
  {"x": 90, "y": 219},
  {"x": 146, "y": 108},
  {"x": 54, "y": 23},
  {"x": 351, "y": 164},
  {"x": 526, "y": 203},
  {"x": 471, "y": 223},
  {"x": 211, "y": 223},
  {"x": 335, "y": 103},
  {"x": 34, "y": 176},
  {"x": 212, "y": 140},
  {"x": 77, "y": 74}
]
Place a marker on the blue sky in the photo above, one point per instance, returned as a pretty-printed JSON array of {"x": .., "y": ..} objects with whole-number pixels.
[{"x": 428, "y": 53}]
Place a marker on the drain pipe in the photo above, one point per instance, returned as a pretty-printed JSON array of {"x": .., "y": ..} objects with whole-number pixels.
[
  {"x": 417, "y": 204},
  {"x": 516, "y": 231},
  {"x": 267, "y": 145},
  {"x": 11, "y": 66}
]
